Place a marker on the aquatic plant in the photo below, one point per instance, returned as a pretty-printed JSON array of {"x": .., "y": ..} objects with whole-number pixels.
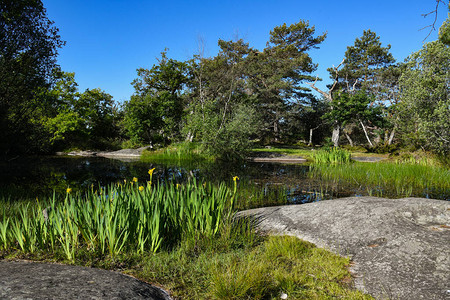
[
  {"x": 397, "y": 180},
  {"x": 185, "y": 153},
  {"x": 331, "y": 155},
  {"x": 131, "y": 217}
]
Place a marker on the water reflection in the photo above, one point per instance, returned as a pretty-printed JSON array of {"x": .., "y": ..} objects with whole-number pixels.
[{"x": 40, "y": 176}]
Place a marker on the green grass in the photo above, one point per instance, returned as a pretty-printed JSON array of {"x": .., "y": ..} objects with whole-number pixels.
[{"x": 399, "y": 179}]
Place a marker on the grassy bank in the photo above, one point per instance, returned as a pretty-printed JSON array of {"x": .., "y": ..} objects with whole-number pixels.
[
  {"x": 181, "y": 237},
  {"x": 395, "y": 179},
  {"x": 303, "y": 152}
]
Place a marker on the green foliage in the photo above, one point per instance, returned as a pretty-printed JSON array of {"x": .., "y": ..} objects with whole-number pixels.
[
  {"x": 244, "y": 94},
  {"x": 74, "y": 119},
  {"x": 231, "y": 140},
  {"x": 27, "y": 57},
  {"x": 219, "y": 114},
  {"x": 275, "y": 76},
  {"x": 368, "y": 69},
  {"x": 425, "y": 105},
  {"x": 155, "y": 111},
  {"x": 384, "y": 148},
  {"x": 444, "y": 30},
  {"x": 353, "y": 108},
  {"x": 364, "y": 64}
]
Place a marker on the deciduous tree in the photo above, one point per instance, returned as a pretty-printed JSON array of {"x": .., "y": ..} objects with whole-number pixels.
[
  {"x": 154, "y": 113},
  {"x": 425, "y": 98},
  {"x": 28, "y": 48}
]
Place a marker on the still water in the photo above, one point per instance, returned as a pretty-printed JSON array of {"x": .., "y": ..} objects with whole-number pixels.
[{"x": 33, "y": 177}]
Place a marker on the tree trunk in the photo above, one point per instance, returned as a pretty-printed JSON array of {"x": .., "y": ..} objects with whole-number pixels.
[
  {"x": 310, "y": 136},
  {"x": 275, "y": 129},
  {"x": 391, "y": 137},
  {"x": 348, "y": 138},
  {"x": 189, "y": 137},
  {"x": 335, "y": 134},
  {"x": 365, "y": 133}
]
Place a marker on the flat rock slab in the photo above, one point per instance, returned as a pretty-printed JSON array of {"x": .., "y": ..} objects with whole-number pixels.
[
  {"x": 400, "y": 247},
  {"x": 30, "y": 280},
  {"x": 368, "y": 158},
  {"x": 123, "y": 153},
  {"x": 283, "y": 159}
]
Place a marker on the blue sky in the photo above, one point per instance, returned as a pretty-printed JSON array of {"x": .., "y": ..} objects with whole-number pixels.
[{"x": 107, "y": 40}]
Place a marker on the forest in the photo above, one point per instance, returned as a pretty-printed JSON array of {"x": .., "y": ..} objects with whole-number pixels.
[{"x": 227, "y": 103}]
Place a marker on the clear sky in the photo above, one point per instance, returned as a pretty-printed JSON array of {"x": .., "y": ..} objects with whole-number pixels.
[{"x": 107, "y": 40}]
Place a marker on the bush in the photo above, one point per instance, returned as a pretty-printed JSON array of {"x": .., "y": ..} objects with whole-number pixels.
[{"x": 383, "y": 149}]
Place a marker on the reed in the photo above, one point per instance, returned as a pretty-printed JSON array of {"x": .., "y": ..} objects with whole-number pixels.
[
  {"x": 331, "y": 156},
  {"x": 186, "y": 153},
  {"x": 400, "y": 180},
  {"x": 131, "y": 217}
]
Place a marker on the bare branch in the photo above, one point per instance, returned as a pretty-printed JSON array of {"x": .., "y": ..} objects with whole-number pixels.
[
  {"x": 354, "y": 85},
  {"x": 327, "y": 95},
  {"x": 336, "y": 70},
  {"x": 441, "y": 137},
  {"x": 435, "y": 12}
]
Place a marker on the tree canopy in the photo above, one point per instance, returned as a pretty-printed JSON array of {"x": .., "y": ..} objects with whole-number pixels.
[
  {"x": 29, "y": 45},
  {"x": 227, "y": 102},
  {"x": 425, "y": 105}
]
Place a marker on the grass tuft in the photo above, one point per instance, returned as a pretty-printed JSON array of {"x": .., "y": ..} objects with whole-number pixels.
[
  {"x": 184, "y": 153},
  {"x": 331, "y": 156}
]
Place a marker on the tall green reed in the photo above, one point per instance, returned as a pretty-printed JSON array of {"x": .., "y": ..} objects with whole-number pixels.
[
  {"x": 130, "y": 217},
  {"x": 331, "y": 155},
  {"x": 401, "y": 180}
]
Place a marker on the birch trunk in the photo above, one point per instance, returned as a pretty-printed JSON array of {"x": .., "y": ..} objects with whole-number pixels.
[
  {"x": 348, "y": 138},
  {"x": 391, "y": 137},
  {"x": 335, "y": 134},
  {"x": 365, "y": 133}
]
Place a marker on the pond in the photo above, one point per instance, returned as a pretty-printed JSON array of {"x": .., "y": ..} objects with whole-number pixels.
[{"x": 40, "y": 176}]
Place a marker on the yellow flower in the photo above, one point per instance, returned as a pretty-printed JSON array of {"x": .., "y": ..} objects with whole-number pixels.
[
  {"x": 235, "y": 178},
  {"x": 135, "y": 179},
  {"x": 150, "y": 172},
  {"x": 178, "y": 185},
  {"x": 68, "y": 190},
  {"x": 125, "y": 181},
  {"x": 141, "y": 188}
]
